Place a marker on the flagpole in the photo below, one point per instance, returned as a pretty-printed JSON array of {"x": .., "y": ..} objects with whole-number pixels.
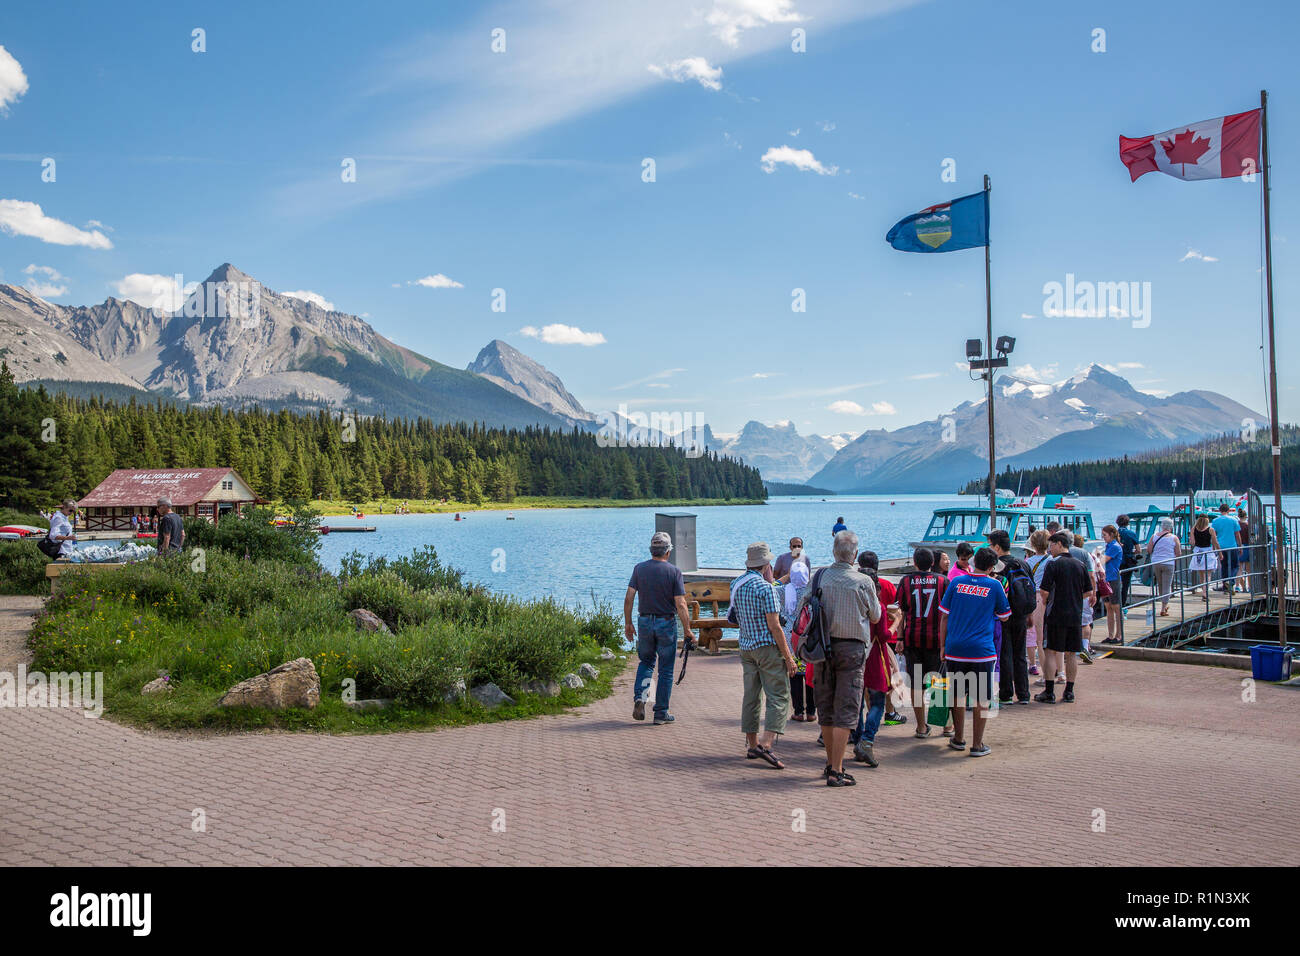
[
  {"x": 988, "y": 350},
  {"x": 1279, "y": 530}
]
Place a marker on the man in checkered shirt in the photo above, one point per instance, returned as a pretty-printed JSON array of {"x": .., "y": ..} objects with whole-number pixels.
[{"x": 765, "y": 657}]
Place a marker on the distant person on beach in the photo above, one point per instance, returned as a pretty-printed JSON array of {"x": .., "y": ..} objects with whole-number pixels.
[
  {"x": 838, "y": 526},
  {"x": 1013, "y": 667},
  {"x": 919, "y": 594},
  {"x": 1227, "y": 530},
  {"x": 794, "y": 556},
  {"x": 970, "y": 607},
  {"x": 660, "y": 592},
  {"x": 171, "y": 530},
  {"x": 850, "y": 607},
  {"x": 61, "y": 531},
  {"x": 765, "y": 659},
  {"x": 1067, "y": 586},
  {"x": 1164, "y": 549}
]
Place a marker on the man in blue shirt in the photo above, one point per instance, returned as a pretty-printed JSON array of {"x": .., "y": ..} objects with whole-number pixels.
[
  {"x": 1228, "y": 530},
  {"x": 970, "y": 605},
  {"x": 660, "y": 592},
  {"x": 1129, "y": 544},
  {"x": 838, "y": 526}
]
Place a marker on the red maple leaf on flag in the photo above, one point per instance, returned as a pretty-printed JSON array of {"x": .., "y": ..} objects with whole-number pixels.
[{"x": 1185, "y": 148}]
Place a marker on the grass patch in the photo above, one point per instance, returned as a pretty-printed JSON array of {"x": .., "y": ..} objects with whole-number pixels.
[{"x": 239, "y": 616}]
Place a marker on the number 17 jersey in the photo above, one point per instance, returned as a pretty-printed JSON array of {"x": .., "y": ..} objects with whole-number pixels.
[{"x": 919, "y": 594}]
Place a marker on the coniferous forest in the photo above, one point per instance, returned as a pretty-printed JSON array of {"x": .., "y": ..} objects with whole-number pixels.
[{"x": 54, "y": 446}]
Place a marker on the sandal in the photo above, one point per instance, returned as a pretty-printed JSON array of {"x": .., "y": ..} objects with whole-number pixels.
[
  {"x": 956, "y": 744},
  {"x": 841, "y": 779},
  {"x": 765, "y": 753},
  {"x": 922, "y": 733}
]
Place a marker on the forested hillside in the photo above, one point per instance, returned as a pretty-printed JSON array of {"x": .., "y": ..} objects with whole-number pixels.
[{"x": 287, "y": 455}]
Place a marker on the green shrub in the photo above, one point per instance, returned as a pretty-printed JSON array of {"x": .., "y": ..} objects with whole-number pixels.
[
  {"x": 421, "y": 570},
  {"x": 256, "y": 536},
  {"x": 22, "y": 568},
  {"x": 418, "y": 667},
  {"x": 392, "y": 599}
]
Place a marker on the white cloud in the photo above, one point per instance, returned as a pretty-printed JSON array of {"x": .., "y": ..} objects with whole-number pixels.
[
  {"x": 1026, "y": 315},
  {"x": 96, "y": 224},
  {"x": 152, "y": 291},
  {"x": 19, "y": 218},
  {"x": 846, "y": 407},
  {"x": 314, "y": 298},
  {"x": 1043, "y": 373},
  {"x": 801, "y": 159},
  {"x": 794, "y": 132},
  {"x": 1197, "y": 254},
  {"x": 923, "y": 376},
  {"x": 13, "y": 82},
  {"x": 45, "y": 281},
  {"x": 438, "y": 281},
  {"x": 691, "y": 68},
  {"x": 730, "y": 17},
  {"x": 827, "y": 126},
  {"x": 666, "y": 373},
  {"x": 1121, "y": 366},
  {"x": 558, "y": 334},
  {"x": 854, "y": 195}
]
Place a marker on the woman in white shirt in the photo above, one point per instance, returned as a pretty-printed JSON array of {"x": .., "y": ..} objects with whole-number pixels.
[{"x": 1164, "y": 550}]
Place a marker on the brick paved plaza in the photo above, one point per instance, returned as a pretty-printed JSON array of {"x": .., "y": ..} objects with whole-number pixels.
[{"x": 1185, "y": 771}]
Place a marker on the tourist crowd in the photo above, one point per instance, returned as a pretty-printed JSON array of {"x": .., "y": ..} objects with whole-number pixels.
[{"x": 949, "y": 638}]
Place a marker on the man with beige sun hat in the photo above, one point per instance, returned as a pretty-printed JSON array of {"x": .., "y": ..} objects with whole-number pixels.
[{"x": 765, "y": 657}]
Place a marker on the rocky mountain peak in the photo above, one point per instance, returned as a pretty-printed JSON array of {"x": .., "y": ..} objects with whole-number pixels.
[{"x": 514, "y": 371}]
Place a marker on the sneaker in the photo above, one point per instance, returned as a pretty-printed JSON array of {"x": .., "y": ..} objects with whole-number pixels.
[
  {"x": 981, "y": 751},
  {"x": 821, "y": 742},
  {"x": 863, "y": 753},
  {"x": 1067, "y": 697},
  {"x": 638, "y": 710},
  {"x": 1060, "y": 678},
  {"x": 1046, "y": 697},
  {"x": 665, "y": 719},
  {"x": 1033, "y": 669},
  {"x": 1086, "y": 657},
  {"x": 893, "y": 720},
  {"x": 1023, "y": 700}
]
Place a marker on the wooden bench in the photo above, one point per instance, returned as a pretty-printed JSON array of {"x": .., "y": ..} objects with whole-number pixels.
[
  {"x": 55, "y": 569},
  {"x": 716, "y": 595}
]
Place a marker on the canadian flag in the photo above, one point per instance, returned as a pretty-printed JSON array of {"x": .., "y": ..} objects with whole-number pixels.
[{"x": 1211, "y": 149}]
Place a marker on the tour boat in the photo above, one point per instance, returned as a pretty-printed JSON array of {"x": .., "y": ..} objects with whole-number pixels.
[{"x": 951, "y": 526}]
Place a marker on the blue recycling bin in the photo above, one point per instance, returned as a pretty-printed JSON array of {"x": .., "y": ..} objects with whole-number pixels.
[{"x": 1270, "y": 662}]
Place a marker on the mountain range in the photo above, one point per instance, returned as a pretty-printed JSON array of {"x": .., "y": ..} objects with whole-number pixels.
[
  {"x": 234, "y": 341},
  {"x": 1094, "y": 414}
]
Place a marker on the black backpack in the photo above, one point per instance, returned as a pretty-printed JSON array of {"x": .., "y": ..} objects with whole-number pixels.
[
  {"x": 1022, "y": 594},
  {"x": 812, "y": 639}
]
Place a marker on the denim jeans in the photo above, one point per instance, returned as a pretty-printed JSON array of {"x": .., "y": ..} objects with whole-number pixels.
[
  {"x": 656, "y": 639},
  {"x": 870, "y": 714}
]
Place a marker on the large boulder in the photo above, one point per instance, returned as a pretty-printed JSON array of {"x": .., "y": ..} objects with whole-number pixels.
[
  {"x": 368, "y": 621},
  {"x": 573, "y": 682},
  {"x": 159, "y": 685},
  {"x": 293, "y": 684},
  {"x": 588, "y": 671},
  {"x": 490, "y": 696}
]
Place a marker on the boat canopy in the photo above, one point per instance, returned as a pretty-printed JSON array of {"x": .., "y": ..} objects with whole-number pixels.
[{"x": 972, "y": 524}]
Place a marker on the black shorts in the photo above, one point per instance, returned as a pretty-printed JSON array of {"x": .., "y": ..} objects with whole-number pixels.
[
  {"x": 970, "y": 683},
  {"x": 928, "y": 660},
  {"x": 1063, "y": 637}
]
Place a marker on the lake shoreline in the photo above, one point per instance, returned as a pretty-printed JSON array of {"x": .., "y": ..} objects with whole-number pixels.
[{"x": 334, "y": 509}]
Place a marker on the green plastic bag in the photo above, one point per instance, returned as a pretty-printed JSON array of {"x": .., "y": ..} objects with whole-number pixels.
[{"x": 936, "y": 699}]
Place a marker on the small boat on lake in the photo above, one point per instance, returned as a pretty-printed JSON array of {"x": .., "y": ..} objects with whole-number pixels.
[{"x": 951, "y": 526}]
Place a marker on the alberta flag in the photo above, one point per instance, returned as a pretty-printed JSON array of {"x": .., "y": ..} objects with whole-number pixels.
[
  {"x": 960, "y": 224},
  {"x": 1211, "y": 149}
]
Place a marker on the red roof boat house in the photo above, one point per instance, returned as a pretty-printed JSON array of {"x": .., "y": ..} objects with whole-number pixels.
[{"x": 211, "y": 493}]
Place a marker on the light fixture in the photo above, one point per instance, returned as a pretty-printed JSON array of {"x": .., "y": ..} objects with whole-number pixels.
[
  {"x": 1005, "y": 344},
  {"x": 973, "y": 348}
]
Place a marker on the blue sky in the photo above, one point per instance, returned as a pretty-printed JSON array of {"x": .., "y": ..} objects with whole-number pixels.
[{"x": 522, "y": 170}]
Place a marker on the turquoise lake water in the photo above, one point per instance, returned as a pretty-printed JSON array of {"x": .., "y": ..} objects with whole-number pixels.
[{"x": 571, "y": 553}]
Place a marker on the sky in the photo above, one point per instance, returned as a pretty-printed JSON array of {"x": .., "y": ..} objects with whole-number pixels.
[{"x": 459, "y": 172}]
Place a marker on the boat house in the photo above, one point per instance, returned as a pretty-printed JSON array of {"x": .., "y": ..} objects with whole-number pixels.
[{"x": 211, "y": 493}]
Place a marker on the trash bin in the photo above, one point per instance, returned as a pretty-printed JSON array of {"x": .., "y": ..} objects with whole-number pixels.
[{"x": 1270, "y": 662}]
